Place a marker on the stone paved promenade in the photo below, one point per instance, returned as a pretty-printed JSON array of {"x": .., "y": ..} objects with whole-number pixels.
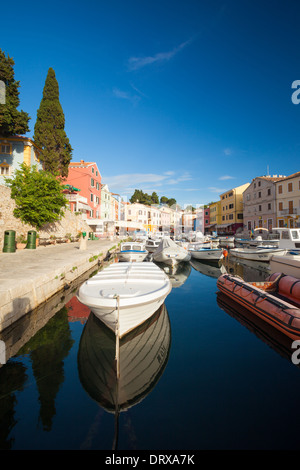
[{"x": 30, "y": 277}]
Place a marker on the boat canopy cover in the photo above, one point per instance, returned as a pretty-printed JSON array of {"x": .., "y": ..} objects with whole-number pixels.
[{"x": 167, "y": 243}]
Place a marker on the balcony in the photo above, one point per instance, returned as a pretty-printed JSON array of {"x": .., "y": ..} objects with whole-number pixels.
[{"x": 292, "y": 211}]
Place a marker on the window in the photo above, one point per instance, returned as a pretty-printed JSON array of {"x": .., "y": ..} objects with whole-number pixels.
[
  {"x": 6, "y": 148},
  {"x": 259, "y": 193},
  {"x": 240, "y": 216},
  {"x": 280, "y": 206},
  {"x": 269, "y": 206},
  {"x": 269, "y": 192},
  {"x": 249, "y": 225},
  {"x": 259, "y": 183},
  {"x": 4, "y": 170},
  {"x": 259, "y": 208},
  {"x": 92, "y": 197},
  {"x": 280, "y": 189},
  {"x": 230, "y": 206},
  {"x": 92, "y": 182}
]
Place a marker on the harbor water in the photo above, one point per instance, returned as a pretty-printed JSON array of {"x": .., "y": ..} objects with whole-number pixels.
[{"x": 202, "y": 374}]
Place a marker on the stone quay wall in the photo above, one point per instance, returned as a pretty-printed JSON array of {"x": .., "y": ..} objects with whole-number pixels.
[{"x": 70, "y": 224}]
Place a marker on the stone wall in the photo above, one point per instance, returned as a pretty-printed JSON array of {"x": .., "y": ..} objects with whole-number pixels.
[{"x": 70, "y": 223}]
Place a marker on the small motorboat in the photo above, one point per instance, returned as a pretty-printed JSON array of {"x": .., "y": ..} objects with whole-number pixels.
[
  {"x": 124, "y": 295},
  {"x": 170, "y": 253},
  {"x": 276, "y": 300},
  {"x": 260, "y": 253},
  {"x": 152, "y": 245},
  {"x": 207, "y": 252},
  {"x": 132, "y": 251}
]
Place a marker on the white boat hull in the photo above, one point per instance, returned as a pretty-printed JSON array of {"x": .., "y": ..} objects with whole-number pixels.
[
  {"x": 124, "y": 295},
  {"x": 260, "y": 254},
  {"x": 207, "y": 254},
  {"x": 172, "y": 258},
  {"x": 287, "y": 264},
  {"x": 134, "y": 256}
]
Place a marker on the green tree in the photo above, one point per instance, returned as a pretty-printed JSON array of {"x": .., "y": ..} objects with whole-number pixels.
[
  {"x": 154, "y": 198},
  {"x": 171, "y": 202},
  {"x": 12, "y": 121},
  {"x": 38, "y": 196},
  {"x": 49, "y": 130}
]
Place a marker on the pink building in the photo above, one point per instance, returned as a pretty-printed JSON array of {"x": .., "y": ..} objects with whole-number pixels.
[{"x": 86, "y": 177}]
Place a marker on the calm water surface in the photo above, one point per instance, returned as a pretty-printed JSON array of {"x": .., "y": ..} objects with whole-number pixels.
[{"x": 202, "y": 374}]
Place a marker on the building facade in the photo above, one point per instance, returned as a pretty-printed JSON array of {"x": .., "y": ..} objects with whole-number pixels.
[
  {"x": 86, "y": 177},
  {"x": 15, "y": 151},
  {"x": 214, "y": 216},
  {"x": 288, "y": 201},
  {"x": 232, "y": 210},
  {"x": 259, "y": 201}
]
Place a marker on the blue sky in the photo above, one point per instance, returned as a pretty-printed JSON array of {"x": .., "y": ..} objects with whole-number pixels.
[{"x": 186, "y": 98}]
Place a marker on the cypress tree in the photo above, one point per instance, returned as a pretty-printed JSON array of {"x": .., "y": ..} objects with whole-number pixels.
[
  {"x": 49, "y": 130},
  {"x": 12, "y": 121}
]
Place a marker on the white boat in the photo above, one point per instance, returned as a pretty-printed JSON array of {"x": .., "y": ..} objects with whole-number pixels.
[
  {"x": 260, "y": 253},
  {"x": 206, "y": 252},
  {"x": 289, "y": 238},
  {"x": 140, "y": 235},
  {"x": 124, "y": 295},
  {"x": 288, "y": 264},
  {"x": 170, "y": 253},
  {"x": 226, "y": 242},
  {"x": 152, "y": 245},
  {"x": 132, "y": 251}
]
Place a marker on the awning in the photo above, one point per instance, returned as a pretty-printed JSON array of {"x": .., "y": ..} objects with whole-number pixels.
[
  {"x": 70, "y": 187},
  {"x": 224, "y": 225}
]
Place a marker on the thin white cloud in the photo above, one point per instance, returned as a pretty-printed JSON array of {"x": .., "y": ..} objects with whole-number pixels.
[
  {"x": 135, "y": 63},
  {"x": 124, "y": 95},
  {"x": 228, "y": 151},
  {"x": 226, "y": 177},
  {"x": 127, "y": 183},
  {"x": 213, "y": 189}
]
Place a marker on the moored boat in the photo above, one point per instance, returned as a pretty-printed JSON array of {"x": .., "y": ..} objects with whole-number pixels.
[
  {"x": 260, "y": 253},
  {"x": 132, "y": 251},
  {"x": 124, "y": 295},
  {"x": 277, "y": 300},
  {"x": 206, "y": 252},
  {"x": 170, "y": 253},
  {"x": 152, "y": 245}
]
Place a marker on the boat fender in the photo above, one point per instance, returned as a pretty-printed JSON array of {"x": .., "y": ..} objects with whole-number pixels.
[{"x": 225, "y": 253}]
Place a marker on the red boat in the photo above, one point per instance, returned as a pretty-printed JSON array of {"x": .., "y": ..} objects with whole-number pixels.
[{"x": 277, "y": 300}]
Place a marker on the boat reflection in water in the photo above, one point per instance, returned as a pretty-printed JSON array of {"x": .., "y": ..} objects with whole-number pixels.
[
  {"x": 274, "y": 338},
  {"x": 177, "y": 274},
  {"x": 143, "y": 356},
  {"x": 249, "y": 270},
  {"x": 209, "y": 268}
]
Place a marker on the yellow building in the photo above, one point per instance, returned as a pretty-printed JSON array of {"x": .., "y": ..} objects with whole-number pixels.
[
  {"x": 232, "y": 209},
  {"x": 288, "y": 201},
  {"x": 215, "y": 215}
]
